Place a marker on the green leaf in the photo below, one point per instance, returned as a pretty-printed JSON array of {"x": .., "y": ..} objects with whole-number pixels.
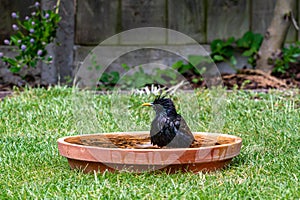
[
  {"x": 195, "y": 80},
  {"x": 170, "y": 73},
  {"x": 195, "y": 60},
  {"x": 233, "y": 60},
  {"x": 14, "y": 39},
  {"x": 227, "y": 52},
  {"x": 115, "y": 77},
  {"x": 218, "y": 58},
  {"x": 32, "y": 63},
  {"x": 11, "y": 61},
  {"x": 160, "y": 80},
  {"x": 140, "y": 81},
  {"x": 229, "y": 41},
  {"x": 245, "y": 40},
  {"x": 214, "y": 44},
  {"x": 14, "y": 69},
  {"x": 257, "y": 40},
  {"x": 125, "y": 66},
  {"x": 185, "y": 68},
  {"x": 177, "y": 64},
  {"x": 104, "y": 78},
  {"x": 98, "y": 67},
  {"x": 247, "y": 53}
]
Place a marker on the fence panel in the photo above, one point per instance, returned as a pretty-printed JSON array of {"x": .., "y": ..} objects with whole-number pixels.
[
  {"x": 95, "y": 21},
  {"x": 188, "y": 17},
  {"x": 202, "y": 20},
  {"x": 227, "y": 18},
  {"x": 143, "y": 13}
]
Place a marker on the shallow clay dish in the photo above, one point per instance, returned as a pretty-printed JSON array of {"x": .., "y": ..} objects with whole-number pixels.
[{"x": 132, "y": 151}]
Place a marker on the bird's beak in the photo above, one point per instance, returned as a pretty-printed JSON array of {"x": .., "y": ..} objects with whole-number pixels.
[{"x": 147, "y": 104}]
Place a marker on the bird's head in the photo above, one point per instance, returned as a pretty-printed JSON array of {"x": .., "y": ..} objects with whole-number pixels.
[{"x": 163, "y": 105}]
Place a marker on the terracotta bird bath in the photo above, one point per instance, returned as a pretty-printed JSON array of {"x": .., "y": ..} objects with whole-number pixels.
[{"x": 132, "y": 151}]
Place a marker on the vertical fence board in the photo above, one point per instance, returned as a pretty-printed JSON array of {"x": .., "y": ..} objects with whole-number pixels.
[
  {"x": 95, "y": 21},
  {"x": 262, "y": 13},
  {"x": 188, "y": 17},
  {"x": 227, "y": 18},
  {"x": 143, "y": 13}
]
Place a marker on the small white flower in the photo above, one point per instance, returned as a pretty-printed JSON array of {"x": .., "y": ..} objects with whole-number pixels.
[
  {"x": 14, "y": 15},
  {"x": 15, "y": 27},
  {"x": 39, "y": 53},
  {"x": 23, "y": 47}
]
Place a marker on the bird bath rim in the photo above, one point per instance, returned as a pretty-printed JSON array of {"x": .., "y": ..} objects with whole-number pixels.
[
  {"x": 94, "y": 158},
  {"x": 62, "y": 141}
]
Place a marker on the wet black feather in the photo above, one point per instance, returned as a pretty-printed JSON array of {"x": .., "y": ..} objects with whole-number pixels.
[{"x": 168, "y": 127}]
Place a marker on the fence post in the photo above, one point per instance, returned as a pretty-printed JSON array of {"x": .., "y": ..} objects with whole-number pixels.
[{"x": 60, "y": 71}]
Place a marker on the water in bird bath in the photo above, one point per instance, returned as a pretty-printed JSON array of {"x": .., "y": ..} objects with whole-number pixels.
[{"x": 132, "y": 141}]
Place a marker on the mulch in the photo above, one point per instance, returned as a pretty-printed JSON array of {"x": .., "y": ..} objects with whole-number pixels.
[{"x": 250, "y": 79}]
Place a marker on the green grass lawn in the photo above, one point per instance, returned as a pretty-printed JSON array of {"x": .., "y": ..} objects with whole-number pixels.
[{"x": 31, "y": 167}]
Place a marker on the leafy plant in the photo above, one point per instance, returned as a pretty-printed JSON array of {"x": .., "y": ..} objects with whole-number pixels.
[
  {"x": 288, "y": 55},
  {"x": 191, "y": 65},
  {"x": 109, "y": 79},
  {"x": 165, "y": 76},
  {"x": 32, "y": 36},
  {"x": 222, "y": 51},
  {"x": 140, "y": 78},
  {"x": 137, "y": 80},
  {"x": 250, "y": 44}
]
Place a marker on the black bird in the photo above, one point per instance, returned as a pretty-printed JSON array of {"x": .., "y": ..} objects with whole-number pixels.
[{"x": 168, "y": 128}]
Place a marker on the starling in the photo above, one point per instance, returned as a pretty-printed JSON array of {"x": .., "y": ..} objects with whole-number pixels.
[{"x": 168, "y": 127}]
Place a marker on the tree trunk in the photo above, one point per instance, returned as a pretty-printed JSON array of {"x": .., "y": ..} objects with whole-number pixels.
[{"x": 276, "y": 34}]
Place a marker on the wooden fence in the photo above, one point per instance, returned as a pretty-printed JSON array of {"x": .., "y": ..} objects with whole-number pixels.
[
  {"x": 89, "y": 22},
  {"x": 203, "y": 20}
]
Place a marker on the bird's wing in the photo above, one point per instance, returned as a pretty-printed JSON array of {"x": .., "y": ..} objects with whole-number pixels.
[
  {"x": 157, "y": 125},
  {"x": 162, "y": 132},
  {"x": 185, "y": 128},
  {"x": 183, "y": 137}
]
